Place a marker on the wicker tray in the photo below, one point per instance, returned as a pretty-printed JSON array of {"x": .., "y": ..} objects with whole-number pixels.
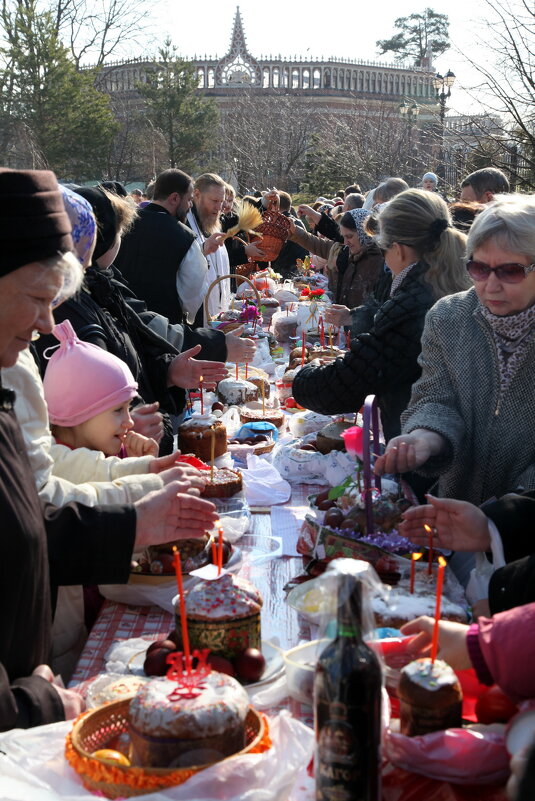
[{"x": 98, "y": 729}]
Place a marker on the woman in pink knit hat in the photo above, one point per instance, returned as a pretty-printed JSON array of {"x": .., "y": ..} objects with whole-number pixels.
[{"x": 88, "y": 392}]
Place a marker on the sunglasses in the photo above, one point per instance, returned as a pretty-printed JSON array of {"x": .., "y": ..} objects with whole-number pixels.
[{"x": 506, "y": 273}]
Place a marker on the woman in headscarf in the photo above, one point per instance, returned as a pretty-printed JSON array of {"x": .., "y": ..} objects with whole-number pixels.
[
  {"x": 359, "y": 264},
  {"x": 423, "y": 252},
  {"x": 101, "y": 314}
]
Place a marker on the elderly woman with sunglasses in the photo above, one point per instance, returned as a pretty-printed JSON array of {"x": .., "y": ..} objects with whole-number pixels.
[{"x": 470, "y": 418}]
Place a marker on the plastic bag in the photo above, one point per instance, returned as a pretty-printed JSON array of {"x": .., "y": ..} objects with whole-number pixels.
[
  {"x": 462, "y": 756},
  {"x": 34, "y": 766},
  {"x": 302, "y": 467},
  {"x": 263, "y": 483}
]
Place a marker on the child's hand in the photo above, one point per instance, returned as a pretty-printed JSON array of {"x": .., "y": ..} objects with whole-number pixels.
[{"x": 138, "y": 445}]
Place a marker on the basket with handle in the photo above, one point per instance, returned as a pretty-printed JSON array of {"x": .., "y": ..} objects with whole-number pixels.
[
  {"x": 99, "y": 728},
  {"x": 275, "y": 230},
  {"x": 231, "y": 324}
]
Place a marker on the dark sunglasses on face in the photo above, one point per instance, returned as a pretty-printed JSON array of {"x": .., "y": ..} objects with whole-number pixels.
[{"x": 507, "y": 273}]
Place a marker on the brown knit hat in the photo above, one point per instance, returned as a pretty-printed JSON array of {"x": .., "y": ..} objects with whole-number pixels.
[{"x": 33, "y": 222}]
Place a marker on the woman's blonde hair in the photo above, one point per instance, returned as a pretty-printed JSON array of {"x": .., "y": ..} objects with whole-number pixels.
[
  {"x": 421, "y": 220},
  {"x": 125, "y": 211}
]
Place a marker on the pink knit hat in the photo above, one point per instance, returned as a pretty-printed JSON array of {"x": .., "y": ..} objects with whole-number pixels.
[{"x": 83, "y": 380}]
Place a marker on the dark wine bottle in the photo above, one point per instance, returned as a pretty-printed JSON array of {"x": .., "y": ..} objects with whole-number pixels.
[{"x": 347, "y": 708}]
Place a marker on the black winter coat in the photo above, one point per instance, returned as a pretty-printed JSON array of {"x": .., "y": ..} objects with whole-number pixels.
[
  {"x": 382, "y": 360},
  {"x": 99, "y": 314},
  {"x": 150, "y": 257},
  {"x": 514, "y": 584},
  {"x": 43, "y": 547}
]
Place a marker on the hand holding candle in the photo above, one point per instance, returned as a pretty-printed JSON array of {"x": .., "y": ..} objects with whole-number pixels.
[{"x": 440, "y": 582}]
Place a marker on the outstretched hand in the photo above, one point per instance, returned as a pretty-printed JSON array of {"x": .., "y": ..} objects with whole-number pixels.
[
  {"x": 452, "y": 646},
  {"x": 239, "y": 350},
  {"x": 409, "y": 451},
  {"x": 459, "y": 526},
  {"x": 168, "y": 514},
  {"x": 185, "y": 371}
]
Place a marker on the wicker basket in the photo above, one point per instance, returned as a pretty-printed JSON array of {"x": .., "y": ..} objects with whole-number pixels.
[
  {"x": 231, "y": 324},
  {"x": 275, "y": 230},
  {"x": 98, "y": 729}
]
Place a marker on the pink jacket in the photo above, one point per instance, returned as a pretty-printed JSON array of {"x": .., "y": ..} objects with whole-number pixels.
[{"x": 507, "y": 645}]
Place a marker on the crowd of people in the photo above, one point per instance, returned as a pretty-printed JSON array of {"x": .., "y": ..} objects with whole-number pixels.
[{"x": 104, "y": 328}]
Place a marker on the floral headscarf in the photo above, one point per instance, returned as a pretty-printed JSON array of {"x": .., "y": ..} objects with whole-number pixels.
[
  {"x": 360, "y": 215},
  {"x": 83, "y": 224}
]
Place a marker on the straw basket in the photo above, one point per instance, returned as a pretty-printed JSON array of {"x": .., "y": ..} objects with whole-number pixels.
[
  {"x": 100, "y": 727},
  {"x": 231, "y": 325},
  {"x": 275, "y": 229}
]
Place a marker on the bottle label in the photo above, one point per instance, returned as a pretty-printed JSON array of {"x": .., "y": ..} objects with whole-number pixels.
[{"x": 347, "y": 762}]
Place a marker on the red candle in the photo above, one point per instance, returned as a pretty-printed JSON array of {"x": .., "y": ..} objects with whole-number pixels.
[
  {"x": 414, "y": 559},
  {"x": 237, "y": 371},
  {"x": 214, "y": 553},
  {"x": 182, "y": 607},
  {"x": 246, "y": 369},
  {"x": 348, "y": 340},
  {"x": 440, "y": 581},
  {"x": 303, "y": 348},
  {"x": 200, "y": 389},
  {"x": 220, "y": 552},
  {"x": 430, "y": 555},
  {"x": 322, "y": 332}
]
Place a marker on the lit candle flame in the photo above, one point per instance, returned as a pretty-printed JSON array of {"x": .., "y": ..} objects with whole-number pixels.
[
  {"x": 442, "y": 562},
  {"x": 428, "y": 528},
  {"x": 414, "y": 558}
]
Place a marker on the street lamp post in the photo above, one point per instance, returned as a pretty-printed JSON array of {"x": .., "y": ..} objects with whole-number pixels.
[
  {"x": 442, "y": 85},
  {"x": 410, "y": 113}
]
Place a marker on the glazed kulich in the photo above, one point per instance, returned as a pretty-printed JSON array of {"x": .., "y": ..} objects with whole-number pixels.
[
  {"x": 195, "y": 436},
  {"x": 233, "y": 392},
  {"x": 271, "y": 305},
  {"x": 274, "y": 416},
  {"x": 189, "y": 731},
  {"x": 223, "y": 615},
  {"x": 330, "y": 437},
  {"x": 402, "y": 606},
  {"x": 224, "y": 484},
  {"x": 430, "y": 697}
]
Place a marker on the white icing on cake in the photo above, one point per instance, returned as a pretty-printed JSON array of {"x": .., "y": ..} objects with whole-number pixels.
[
  {"x": 236, "y": 392},
  {"x": 230, "y": 597},
  {"x": 430, "y": 676},
  {"x": 199, "y": 420},
  {"x": 406, "y": 606},
  {"x": 222, "y": 704}
]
